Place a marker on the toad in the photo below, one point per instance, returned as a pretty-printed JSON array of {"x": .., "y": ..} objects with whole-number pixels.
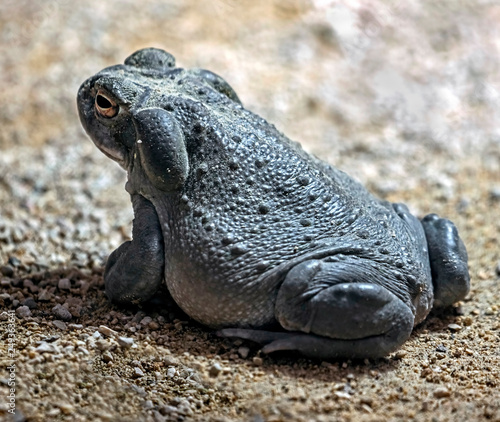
[{"x": 252, "y": 235}]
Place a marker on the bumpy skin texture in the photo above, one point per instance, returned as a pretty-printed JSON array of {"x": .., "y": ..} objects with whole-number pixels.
[{"x": 252, "y": 235}]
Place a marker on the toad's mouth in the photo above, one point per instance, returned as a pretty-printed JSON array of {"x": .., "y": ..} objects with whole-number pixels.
[{"x": 114, "y": 151}]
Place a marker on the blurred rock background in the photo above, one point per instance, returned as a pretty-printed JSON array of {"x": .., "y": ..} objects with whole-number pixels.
[
  {"x": 401, "y": 95},
  {"x": 335, "y": 75}
]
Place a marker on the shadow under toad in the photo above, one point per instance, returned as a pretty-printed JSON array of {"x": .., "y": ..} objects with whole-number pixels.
[{"x": 72, "y": 298}]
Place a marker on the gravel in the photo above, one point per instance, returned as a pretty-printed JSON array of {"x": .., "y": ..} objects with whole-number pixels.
[
  {"x": 61, "y": 312},
  {"x": 7, "y": 270},
  {"x": 215, "y": 369},
  {"x": 23, "y": 312},
  {"x": 126, "y": 342},
  {"x": 454, "y": 327},
  {"x": 243, "y": 352},
  {"x": 441, "y": 392},
  {"x": 30, "y": 303},
  {"x": 60, "y": 324},
  {"x": 64, "y": 284},
  {"x": 107, "y": 331},
  {"x": 404, "y": 98}
]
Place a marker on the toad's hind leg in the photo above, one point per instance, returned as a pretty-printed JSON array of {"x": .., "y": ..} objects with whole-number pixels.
[
  {"x": 330, "y": 311},
  {"x": 448, "y": 259}
]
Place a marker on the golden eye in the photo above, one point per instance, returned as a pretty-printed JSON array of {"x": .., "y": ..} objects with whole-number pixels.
[{"x": 105, "y": 106}]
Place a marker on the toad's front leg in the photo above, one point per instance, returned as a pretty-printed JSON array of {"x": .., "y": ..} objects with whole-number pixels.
[{"x": 134, "y": 271}]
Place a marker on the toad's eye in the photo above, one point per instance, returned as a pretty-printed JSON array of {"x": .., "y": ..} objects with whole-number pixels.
[{"x": 105, "y": 106}]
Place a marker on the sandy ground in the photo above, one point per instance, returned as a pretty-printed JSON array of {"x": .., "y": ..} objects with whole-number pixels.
[{"x": 404, "y": 97}]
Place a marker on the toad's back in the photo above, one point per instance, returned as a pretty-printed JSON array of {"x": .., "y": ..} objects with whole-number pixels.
[{"x": 255, "y": 204}]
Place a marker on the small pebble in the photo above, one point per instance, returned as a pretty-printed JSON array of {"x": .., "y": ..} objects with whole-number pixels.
[
  {"x": 125, "y": 342},
  {"x": 339, "y": 386},
  {"x": 64, "y": 284},
  {"x": 59, "y": 324},
  {"x": 54, "y": 412},
  {"x": 243, "y": 351},
  {"x": 400, "y": 354},
  {"x": 107, "y": 357},
  {"x": 66, "y": 408},
  {"x": 102, "y": 345},
  {"x": 30, "y": 303},
  {"x": 44, "y": 295},
  {"x": 454, "y": 327},
  {"x": 185, "y": 373},
  {"x": 75, "y": 326},
  {"x": 153, "y": 325},
  {"x": 45, "y": 347},
  {"x": 146, "y": 320},
  {"x": 215, "y": 369},
  {"x": 441, "y": 349},
  {"x": 61, "y": 312},
  {"x": 147, "y": 404},
  {"x": 168, "y": 410},
  {"x": 342, "y": 395},
  {"x": 257, "y": 361},
  {"x": 7, "y": 270},
  {"x": 27, "y": 283},
  {"x": 107, "y": 331},
  {"x": 170, "y": 372},
  {"x": 170, "y": 360},
  {"x": 23, "y": 312},
  {"x": 13, "y": 261},
  {"x": 82, "y": 350},
  {"x": 138, "y": 372},
  {"x": 468, "y": 321},
  {"x": 441, "y": 392}
]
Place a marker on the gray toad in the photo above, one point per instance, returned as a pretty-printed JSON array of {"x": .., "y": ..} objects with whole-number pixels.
[{"x": 251, "y": 234}]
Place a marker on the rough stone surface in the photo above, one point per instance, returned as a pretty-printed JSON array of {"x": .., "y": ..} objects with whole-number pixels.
[
  {"x": 125, "y": 342},
  {"x": 64, "y": 284},
  {"x": 23, "y": 311},
  {"x": 61, "y": 312},
  {"x": 405, "y": 98}
]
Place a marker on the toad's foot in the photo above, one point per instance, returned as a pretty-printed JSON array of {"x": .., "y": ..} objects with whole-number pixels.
[
  {"x": 319, "y": 347},
  {"x": 448, "y": 259},
  {"x": 329, "y": 315}
]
